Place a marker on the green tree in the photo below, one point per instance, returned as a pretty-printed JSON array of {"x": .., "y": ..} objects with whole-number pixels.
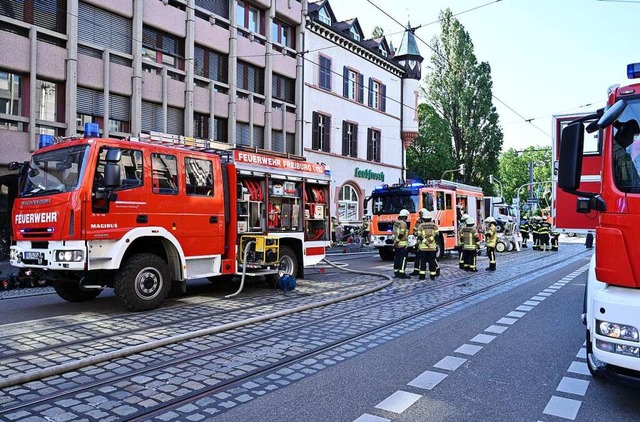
[
  {"x": 377, "y": 32},
  {"x": 514, "y": 172},
  {"x": 459, "y": 89},
  {"x": 431, "y": 153}
]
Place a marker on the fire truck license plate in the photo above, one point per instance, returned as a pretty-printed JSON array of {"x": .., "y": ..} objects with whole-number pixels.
[{"x": 32, "y": 255}]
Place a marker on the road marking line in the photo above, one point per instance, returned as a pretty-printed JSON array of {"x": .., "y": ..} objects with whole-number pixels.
[
  {"x": 515, "y": 314},
  {"x": 538, "y": 298},
  {"x": 582, "y": 354},
  {"x": 399, "y": 401},
  {"x": 531, "y": 303},
  {"x": 524, "y": 308},
  {"x": 483, "y": 338},
  {"x": 468, "y": 349},
  {"x": 496, "y": 329},
  {"x": 450, "y": 363},
  {"x": 550, "y": 290},
  {"x": 573, "y": 386},
  {"x": 427, "y": 380},
  {"x": 579, "y": 368},
  {"x": 507, "y": 321},
  {"x": 371, "y": 418},
  {"x": 544, "y": 294},
  {"x": 563, "y": 408}
]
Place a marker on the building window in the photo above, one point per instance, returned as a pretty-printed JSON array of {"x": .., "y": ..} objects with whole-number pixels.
[
  {"x": 211, "y": 64},
  {"x": 283, "y": 88},
  {"x": 325, "y": 72},
  {"x": 373, "y": 145},
  {"x": 283, "y": 33},
  {"x": 324, "y": 17},
  {"x": 175, "y": 121},
  {"x": 151, "y": 116},
  {"x": 219, "y": 7},
  {"x": 348, "y": 204},
  {"x": 258, "y": 137},
  {"x": 290, "y": 141},
  {"x": 103, "y": 28},
  {"x": 354, "y": 33},
  {"x": 46, "y": 101},
  {"x": 249, "y": 17},
  {"x": 353, "y": 84},
  {"x": 161, "y": 48},
  {"x": 90, "y": 107},
  {"x": 220, "y": 129},
  {"x": 164, "y": 173},
  {"x": 119, "y": 113},
  {"x": 250, "y": 78},
  {"x": 321, "y": 137},
  {"x": 10, "y": 99},
  {"x": 277, "y": 141},
  {"x": 199, "y": 177},
  {"x": 202, "y": 130},
  {"x": 243, "y": 134},
  {"x": 349, "y": 139},
  {"x": 50, "y": 14}
]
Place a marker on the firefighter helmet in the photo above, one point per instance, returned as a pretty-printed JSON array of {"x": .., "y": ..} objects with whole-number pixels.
[
  {"x": 471, "y": 221},
  {"x": 425, "y": 214},
  {"x": 403, "y": 213},
  {"x": 490, "y": 220},
  {"x": 464, "y": 218}
]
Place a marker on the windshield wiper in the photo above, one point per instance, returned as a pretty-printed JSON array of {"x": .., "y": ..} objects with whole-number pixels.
[{"x": 42, "y": 192}]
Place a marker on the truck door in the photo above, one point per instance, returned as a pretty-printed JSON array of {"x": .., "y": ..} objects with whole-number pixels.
[{"x": 203, "y": 232}]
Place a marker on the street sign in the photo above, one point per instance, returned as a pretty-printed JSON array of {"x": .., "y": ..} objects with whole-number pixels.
[{"x": 533, "y": 201}]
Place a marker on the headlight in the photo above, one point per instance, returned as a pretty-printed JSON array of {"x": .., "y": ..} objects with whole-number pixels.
[
  {"x": 619, "y": 331},
  {"x": 619, "y": 349},
  {"x": 69, "y": 256},
  {"x": 12, "y": 254}
]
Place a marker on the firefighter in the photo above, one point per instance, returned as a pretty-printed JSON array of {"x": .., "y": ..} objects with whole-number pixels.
[
  {"x": 366, "y": 229},
  {"x": 535, "y": 236},
  {"x": 416, "y": 260},
  {"x": 470, "y": 245},
  {"x": 400, "y": 244},
  {"x": 554, "y": 240},
  {"x": 427, "y": 234},
  {"x": 524, "y": 231},
  {"x": 461, "y": 224},
  {"x": 543, "y": 235},
  {"x": 334, "y": 230},
  {"x": 490, "y": 237}
]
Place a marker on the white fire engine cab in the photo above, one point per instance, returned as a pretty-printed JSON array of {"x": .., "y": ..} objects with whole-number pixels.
[{"x": 143, "y": 215}]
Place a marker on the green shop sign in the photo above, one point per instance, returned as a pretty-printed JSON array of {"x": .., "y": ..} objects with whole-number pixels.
[{"x": 369, "y": 175}]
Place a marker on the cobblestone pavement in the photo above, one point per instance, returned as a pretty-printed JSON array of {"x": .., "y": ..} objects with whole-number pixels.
[{"x": 224, "y": 370}]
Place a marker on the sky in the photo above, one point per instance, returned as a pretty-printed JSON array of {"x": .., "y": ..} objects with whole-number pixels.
[{"x": 547, "y": 57}]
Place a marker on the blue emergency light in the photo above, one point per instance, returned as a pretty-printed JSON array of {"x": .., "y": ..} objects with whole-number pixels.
[
  {"x": 633, "y": 70},
  {"x": 91, "y": 130},
  {"x": 45, "y": 141}
]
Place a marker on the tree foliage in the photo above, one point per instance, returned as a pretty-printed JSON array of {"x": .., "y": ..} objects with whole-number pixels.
[
  {"x": 431, "y": 153},
  {"x": 459, "y": 89},
  {"x": 377, "y": 32},
  {"x": 514, "y": 172}
]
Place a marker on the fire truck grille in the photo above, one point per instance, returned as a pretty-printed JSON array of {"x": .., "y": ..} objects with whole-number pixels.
[
  {"x": 37, "y": 232},
  {"x": 385, "y": 226}
]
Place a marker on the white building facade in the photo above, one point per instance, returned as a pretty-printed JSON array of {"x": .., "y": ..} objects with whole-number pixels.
[{"x": 354, "y": 119}]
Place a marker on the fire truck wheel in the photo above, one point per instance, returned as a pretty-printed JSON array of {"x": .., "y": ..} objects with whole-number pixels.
[
  {"x": 71, "y": 292},
  {"x": 386, "y": 254},
  {"x": 439, "y": 249},
  {"x": 288, "y": 262},
  {"x": 143, "y": 282}
]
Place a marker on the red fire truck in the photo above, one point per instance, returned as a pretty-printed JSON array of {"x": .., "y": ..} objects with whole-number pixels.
[
  {"x": 612, "y": 296},
  {"x": 564, "y": 217},
  {"x": 447, "y": 201},
  {"x": 143, "y": 215}
]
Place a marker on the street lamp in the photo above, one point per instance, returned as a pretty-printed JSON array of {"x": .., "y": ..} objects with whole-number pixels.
[
  {"x": 492, "y": 180},
  {"x": 518, "y": 195},
  {"x": 459, "y": 169}
]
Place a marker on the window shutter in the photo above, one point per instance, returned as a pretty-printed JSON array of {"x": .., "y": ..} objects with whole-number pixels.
[
  {"x": 315, "y": 135},
  {"x": 219, "y": 7},
  {"x": 120, "y": 108},
  {"x": 258, "y": 137},
  {"x": 151, "y": 116},
  {"x": 90, "y": 102},
  {"x": 354, "y": 141},
  {"x": 106, "y": 29},
  {"x": 327, "y": 134},
  {"x": 345, "y": 138},
  {"x": 277, "y": 140},
  {"x": 370, "y": 102},
  {"x": 242, "y": 134},
  {"x": 345, "y": 79},
  {"x": 175, "y": 121},
  {"x": 291, "y": 143},
  {"x": 369, "y": 144},
  {"x": 383, "y": 105},
  {"x": 360, "y": 88}
]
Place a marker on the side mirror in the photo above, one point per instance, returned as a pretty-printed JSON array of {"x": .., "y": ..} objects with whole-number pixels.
[
  {"x": 14, "y": 165},
  {"x": 113, "y": 156},
  {"x": 612, "y": 114},
  {"x": 111, "y": 175},
  {"x": 570, "y": 162}
]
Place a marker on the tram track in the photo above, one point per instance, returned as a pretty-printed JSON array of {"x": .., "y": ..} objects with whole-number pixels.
[{"x": 388, "y": 298}]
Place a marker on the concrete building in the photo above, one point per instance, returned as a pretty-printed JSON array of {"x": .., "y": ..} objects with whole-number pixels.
[
  {"x": 360, "y": 106},
  {"x": 218, "y": 69}
]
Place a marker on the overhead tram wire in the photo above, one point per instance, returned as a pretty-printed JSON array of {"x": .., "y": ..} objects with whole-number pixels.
[{"x": 445, "y": 59}]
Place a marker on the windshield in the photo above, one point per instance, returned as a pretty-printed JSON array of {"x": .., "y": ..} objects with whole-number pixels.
[
  {"x": 393, "y": 204},
  {"x": 626, "y": 160},
  {"x": 55, "y": 171}
]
